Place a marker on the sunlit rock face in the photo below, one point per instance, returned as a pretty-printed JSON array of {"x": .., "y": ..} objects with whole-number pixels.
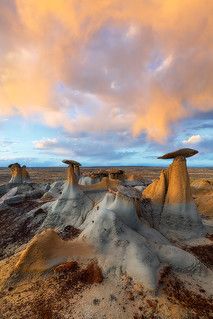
[
  {"x": 16, "y": 172},
  {"x": 19, "y": 174},
  {"x": 179, "y": 216},
  {"x": 175, "y": 212}
]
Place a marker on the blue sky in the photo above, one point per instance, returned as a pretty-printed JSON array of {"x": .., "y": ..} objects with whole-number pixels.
[{"x": 34, "y": 144}]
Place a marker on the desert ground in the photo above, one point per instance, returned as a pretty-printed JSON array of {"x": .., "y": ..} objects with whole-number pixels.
[
  {"x": 51, "y": 174},
  {"x": 94, "y": 251}
]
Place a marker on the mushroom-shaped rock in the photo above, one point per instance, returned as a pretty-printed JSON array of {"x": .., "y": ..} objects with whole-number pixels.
[
  {"x": 16, "y": 172},
  {"x": 185, "y": 152},
  {"x": 72, "y": 178},
  {"x": 25, "y": 175},
  {"x": 179, "y": 217},
  {"x": 175, "y": 213},
  {"x": 71, "y": 207}
]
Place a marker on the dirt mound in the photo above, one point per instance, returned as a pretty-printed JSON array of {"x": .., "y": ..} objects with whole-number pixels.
[{"x": 47, "y": 250}]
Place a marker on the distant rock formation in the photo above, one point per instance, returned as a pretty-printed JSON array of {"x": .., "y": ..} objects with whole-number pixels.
[
  {"x": 175, "y": 212},
  {"x": 116, "y": 174},
  {"x": 25, "y": 175},
  {"x": 19, "y": 174},
  {"x": 72, "y": 205},
  {"x": 16, "y": 172}
]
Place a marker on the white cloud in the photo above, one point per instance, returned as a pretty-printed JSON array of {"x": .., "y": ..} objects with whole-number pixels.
[
  {"x": 45, "y": 143},
  {"x": 194, "y": 139}
]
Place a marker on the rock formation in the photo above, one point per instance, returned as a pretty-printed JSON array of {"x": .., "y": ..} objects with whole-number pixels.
[
  {"x": 175, "y": 212},
  {"x": 129, "y": 232},
  {"x": 46, "y": 250},
  {"x": 93, "y": 178},
  {"x": 72, "y": 205},
  {"x": 116, "y": 174},
  {"x": 16, "y": 172},
  {"x": 185, "y": 152},
  {"x": 25, "y": 175},
  {"x": 19, "y": 174}
]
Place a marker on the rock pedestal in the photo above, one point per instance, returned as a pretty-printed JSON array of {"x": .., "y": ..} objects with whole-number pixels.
[{"x": 175, "y": 213}]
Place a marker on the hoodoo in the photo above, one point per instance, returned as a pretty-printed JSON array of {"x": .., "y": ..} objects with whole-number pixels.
[
  {"x": 73, "y": 167},
  {"x": 25, "y": 175},
  {"x": 175, "y": 212},
  {"x": 16, "y": 172},
  {"x": 72, "y": 206}
]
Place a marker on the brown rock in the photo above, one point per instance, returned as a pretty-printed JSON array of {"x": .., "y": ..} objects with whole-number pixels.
[
  {"x": 16, "y": 172},
  {"x": 185, "y": 152}
]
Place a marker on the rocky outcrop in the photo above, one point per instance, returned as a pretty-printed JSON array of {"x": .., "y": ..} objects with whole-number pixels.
[
  {"x": 16, "y": 172},
  {"x": 116, "y": 174},
  {"x": 19, "y": 174},
  {"x": 175, "y": 212},
  {"x": 25, "y": 175}
]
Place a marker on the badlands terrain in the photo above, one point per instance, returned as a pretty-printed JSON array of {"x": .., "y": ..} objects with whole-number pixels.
[{"x": 105, "y": 243}]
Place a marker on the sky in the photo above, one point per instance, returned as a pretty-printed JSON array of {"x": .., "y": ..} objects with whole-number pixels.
[{"x": 107, "y": 82}]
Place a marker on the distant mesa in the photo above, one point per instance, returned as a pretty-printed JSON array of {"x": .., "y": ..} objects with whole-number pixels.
[{"x": 185, "y": 152}]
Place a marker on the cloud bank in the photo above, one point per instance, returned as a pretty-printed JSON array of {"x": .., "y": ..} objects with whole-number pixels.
[
  {"x": 110, "y": 65},
  {"x": 194, "y": 139}
]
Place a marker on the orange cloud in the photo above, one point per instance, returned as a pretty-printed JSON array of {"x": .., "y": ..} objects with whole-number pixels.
[{"x": 105, "y": 55}]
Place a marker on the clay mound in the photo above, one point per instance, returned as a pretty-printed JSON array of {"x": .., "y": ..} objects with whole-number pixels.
[
  {"x": 54, "y": 191},
  {"x": 185, "y": 152},
  {"x": 71, "y": 208},
  {"x": 125, "y": 244},
  {"x": 47, "y": 250}
]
